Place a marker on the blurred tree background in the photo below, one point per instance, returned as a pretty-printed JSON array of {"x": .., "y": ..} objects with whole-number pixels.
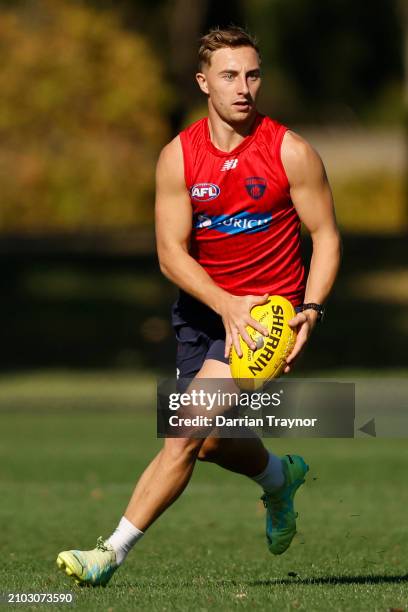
[
  {"x": 79, "y": 138},
  {"x": 90, "y": 92}
]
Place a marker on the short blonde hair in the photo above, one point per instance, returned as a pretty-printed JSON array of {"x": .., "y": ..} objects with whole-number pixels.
[{"x": 218, "y": 38}]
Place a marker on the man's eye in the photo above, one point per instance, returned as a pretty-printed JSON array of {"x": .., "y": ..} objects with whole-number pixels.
[
  {"x": 228, "y": 76},
  {"x": 254, "y": 77}
]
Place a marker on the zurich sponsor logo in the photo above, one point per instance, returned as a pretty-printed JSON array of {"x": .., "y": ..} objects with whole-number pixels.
[
  {"x": 202, "y": 222},
  {"x": 243, "y": 222},
  {"x": 203, "y": 192}
]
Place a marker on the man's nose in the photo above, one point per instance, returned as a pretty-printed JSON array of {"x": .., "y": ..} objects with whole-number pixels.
[{"x": 243, "y": 85}]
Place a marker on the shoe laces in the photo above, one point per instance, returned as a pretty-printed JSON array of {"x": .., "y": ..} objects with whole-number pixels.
[
  {"x": 277, "y": 505},
  {"x": 100, "y": 544},
  {"x": 276, "y": 501}
]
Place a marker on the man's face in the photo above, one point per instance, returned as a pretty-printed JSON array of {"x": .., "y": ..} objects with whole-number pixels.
[{"x": 232, "y": 82}]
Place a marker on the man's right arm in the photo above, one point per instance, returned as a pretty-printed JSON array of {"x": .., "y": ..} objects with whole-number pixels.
[{"x": 173, "y": 230}]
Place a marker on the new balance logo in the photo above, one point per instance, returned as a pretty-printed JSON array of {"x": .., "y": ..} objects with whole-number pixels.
[{"x": 229, "y": 164}]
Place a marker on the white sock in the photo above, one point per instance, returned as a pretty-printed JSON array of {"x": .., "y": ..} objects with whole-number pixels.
[
  {"x": 272, "y": 478},
  {"x": 124, "y": 538}
]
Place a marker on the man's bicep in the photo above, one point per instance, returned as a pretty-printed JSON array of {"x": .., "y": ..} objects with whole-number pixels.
[
  {"x": 309, "y": 187},
  {"x": 173, "y": 221},
  {"x": 314, "y": 204},
  {"x": 173, "y": 207}
]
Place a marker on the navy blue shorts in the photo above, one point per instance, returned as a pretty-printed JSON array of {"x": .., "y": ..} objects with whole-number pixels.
[{"x": 200, "y": 335}]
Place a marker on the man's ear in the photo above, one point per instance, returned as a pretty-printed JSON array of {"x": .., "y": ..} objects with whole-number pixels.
[{"x": 202, "y": 82}]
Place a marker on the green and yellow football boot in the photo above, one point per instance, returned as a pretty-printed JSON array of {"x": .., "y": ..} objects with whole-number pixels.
[{"x": 89, "y": 567}]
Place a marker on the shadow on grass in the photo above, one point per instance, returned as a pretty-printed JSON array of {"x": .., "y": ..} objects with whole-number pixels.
[
  {"x": 370, "y": 579},
  {"x": 330, "y": 580}
]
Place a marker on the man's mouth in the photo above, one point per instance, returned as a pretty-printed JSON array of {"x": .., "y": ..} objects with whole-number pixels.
[{"x": 242, "y": 104}]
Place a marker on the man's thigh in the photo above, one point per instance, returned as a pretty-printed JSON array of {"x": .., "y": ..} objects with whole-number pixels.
[
  {"x": 194, "y": 349},
  {"x": 214, "y": 378},
  {"x": 215, "y": 368}
]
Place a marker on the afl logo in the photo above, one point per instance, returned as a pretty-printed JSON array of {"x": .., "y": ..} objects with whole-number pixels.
[{"x": 203, "y": 192}]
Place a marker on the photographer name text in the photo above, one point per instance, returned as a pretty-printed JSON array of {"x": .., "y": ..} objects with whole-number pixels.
[{"x": 268, "y": 420}]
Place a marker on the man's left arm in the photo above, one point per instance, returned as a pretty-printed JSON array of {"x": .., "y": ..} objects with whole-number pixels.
[{"x": 312, "y": 197}]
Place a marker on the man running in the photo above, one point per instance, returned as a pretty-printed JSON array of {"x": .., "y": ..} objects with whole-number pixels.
[{"x": 232, "y": 191}]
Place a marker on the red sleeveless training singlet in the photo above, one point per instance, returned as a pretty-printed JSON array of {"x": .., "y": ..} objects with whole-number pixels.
[{"x": 246, "y": 231}]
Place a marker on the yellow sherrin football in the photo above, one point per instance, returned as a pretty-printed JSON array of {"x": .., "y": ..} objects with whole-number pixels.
[{"x": 255, "y": 368}]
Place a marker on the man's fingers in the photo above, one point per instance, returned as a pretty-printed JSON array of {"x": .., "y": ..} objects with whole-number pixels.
[
  {"x": 300, "y": 322},
  {"x": 295, "y": 352},
  {"x": 247, "y": 338},
  {"x": 297, "y": 320},
  {"x": 228, "y": 344},
  {"x": 256, "y": 325},
  {"x": 299, "y": 344},
  {"x": 236, "y": 342},
  {"x": 255, "y": 300}
]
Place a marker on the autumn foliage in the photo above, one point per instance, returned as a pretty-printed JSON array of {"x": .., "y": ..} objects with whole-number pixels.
[{"x": 82, "y": 117}]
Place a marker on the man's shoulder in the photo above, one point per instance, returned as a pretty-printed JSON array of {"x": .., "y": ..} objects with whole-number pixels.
[
  {"x": 172, "y": 147},
  {"x": 171, "y": 153},
  {"x": 175, "y": 146},
  {"x": 170, "y": 163},
  {"x": 297, "y": 148},
  {"x": 298, "y": 156}
]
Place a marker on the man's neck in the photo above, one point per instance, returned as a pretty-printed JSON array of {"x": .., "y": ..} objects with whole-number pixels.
[{"x": 226, "y": 136}]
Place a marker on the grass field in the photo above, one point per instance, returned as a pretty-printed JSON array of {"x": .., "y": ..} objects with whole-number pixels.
[{"x": 70, "y": 452}]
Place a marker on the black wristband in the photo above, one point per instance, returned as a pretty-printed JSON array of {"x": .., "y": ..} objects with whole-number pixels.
[{"x": 317, "y": 307}]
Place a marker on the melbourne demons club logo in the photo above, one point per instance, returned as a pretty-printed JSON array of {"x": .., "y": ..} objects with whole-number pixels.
[{"x": 255, "y": 186}]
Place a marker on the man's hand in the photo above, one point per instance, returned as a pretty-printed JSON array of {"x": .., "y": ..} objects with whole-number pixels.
[
  {"x": 235, "y": 313},
  {"x": 304, "y": 323}
]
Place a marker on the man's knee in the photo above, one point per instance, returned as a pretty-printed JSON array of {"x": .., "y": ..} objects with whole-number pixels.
[{"x": 210, "y": 449}]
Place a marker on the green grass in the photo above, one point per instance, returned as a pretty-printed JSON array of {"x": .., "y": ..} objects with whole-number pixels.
[{"x": 67, "y": 467}]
